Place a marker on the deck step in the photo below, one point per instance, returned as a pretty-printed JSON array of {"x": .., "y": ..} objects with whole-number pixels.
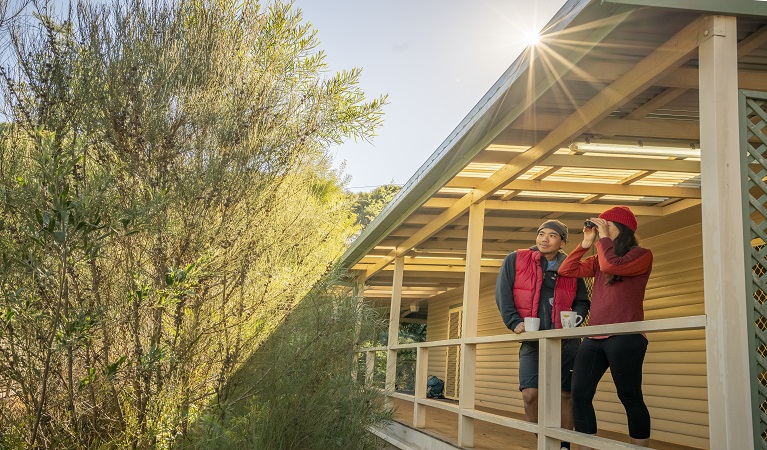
[{"x": 409, "y": 438}]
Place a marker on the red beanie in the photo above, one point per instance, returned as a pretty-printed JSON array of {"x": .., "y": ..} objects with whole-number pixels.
[{"x": 622, "y": 215}]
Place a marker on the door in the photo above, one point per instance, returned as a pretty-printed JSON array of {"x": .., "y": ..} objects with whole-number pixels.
[{"x": 453, "y": 353}]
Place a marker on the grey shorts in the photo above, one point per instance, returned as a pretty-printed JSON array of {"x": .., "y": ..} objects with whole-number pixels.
[{"x": 528, "y": 363}]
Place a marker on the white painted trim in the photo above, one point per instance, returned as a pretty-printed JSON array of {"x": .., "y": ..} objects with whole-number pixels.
[
  {"x": 503, "y": 421},
  {"x": 421, "y": 376},
  {"x": 371, "y": 349},
  {"x": 391, "y": 440},
  {"x": 406, "y": 438},
  {"x": 647, "y": 326},
  {"x": 551, "y": 432},
  {"x": 402, "y": 396},
  {"x": 593, "y": 441},
  {"x": 550, "y": 392},
  {"x": 447, "y": 406},
  {"x": 396, "y": 300},
  {"x": 727, "y": 358},
  {"x": 442, "y": 343},
  {"x": 468, "y": 368}
]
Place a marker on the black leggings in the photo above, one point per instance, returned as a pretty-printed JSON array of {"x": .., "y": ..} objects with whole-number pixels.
[{"x": 624, "y": 356}]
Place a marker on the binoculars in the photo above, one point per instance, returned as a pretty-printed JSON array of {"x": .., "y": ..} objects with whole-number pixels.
[{"x": 589, "y": 224}]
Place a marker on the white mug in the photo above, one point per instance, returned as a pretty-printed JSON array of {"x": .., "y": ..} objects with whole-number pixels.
[
  {"x": 569, "y": 319},
  {"x": 532, "y": 323}
]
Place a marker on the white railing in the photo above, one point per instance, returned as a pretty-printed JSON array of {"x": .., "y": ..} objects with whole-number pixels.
[{"x": 548, "y": 428}]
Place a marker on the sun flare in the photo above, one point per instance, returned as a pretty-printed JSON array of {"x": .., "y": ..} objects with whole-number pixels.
[{"x": 532, "y": 38}]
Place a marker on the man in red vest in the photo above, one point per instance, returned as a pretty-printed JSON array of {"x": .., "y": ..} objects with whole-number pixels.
[{"x": 528, "y": 286}]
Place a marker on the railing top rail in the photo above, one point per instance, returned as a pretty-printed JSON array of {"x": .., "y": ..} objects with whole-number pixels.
[
  {"x": 647, "y": 326},
  {"x": 370, "y": 349},
  {"x": 443, "y": 343}
]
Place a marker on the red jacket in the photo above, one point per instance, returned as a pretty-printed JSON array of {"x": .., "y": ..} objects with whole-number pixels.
[
  {"x": 612, "y": 303},
  {"x": 527, "y": 287}
]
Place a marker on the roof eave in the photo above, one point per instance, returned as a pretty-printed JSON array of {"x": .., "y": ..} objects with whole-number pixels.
[
  {"x": 729, "y": 7},
  {"x": 450, "y": 157}
]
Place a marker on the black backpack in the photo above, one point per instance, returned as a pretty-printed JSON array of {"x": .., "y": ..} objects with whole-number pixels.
[{"x": 434, "y": 387}]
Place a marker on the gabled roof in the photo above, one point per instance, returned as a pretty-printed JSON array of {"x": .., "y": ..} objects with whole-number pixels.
[{"x": 603, "y": 112}]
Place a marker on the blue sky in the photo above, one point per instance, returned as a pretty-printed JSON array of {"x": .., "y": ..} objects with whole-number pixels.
[{"x": 435, "y": 59}]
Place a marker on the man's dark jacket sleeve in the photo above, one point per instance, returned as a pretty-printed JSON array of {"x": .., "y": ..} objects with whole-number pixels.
[
  {"x": 504, "y": 292},
  {"x": 581, "y": 304}
]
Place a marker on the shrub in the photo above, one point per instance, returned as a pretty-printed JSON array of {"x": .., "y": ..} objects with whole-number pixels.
[{"x": 297, "y": 391}]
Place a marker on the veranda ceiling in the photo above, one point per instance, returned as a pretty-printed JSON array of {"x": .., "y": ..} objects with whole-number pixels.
[{"x": 622, "y": 77}]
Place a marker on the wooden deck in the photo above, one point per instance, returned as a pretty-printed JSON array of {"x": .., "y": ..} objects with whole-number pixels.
[{"x": 443, "y": 425}]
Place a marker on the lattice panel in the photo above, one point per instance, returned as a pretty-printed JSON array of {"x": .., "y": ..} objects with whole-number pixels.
[{"x": 755, "y": 121}]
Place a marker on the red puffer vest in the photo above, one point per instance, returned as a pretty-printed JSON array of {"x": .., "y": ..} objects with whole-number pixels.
[{"x": 528, "y": 280}]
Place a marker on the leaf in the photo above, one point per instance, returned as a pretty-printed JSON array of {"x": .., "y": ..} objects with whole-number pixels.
[
  {"x": 9, "y": 315},
  {"x": 88, "y": 379},
  {"x": 111, "y": 369},
  {"x": 179, "y": 275}
]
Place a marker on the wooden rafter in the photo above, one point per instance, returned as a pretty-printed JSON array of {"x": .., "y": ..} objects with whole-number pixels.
[
  {"x": 640, "y": 128},
  {"x": 682, "y": 77},
  {"x": 622, "y": 188},
  {"x": 755, "y": 40},
  {"x": 745, "y": 47},
  {"x": 544, "y": 206},
  {"x": 660, "y": 100}
]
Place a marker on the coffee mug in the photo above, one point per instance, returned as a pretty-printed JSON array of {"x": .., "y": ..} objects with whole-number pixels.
[
  {"x": 569, "y": 319},
  {"x": 532, "y": 323}
]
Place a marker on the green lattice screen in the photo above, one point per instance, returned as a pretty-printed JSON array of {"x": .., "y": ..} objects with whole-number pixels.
[{"x": 754, "y": 134}]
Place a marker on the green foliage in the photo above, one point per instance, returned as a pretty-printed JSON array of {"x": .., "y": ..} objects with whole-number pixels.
[
  {"x": 368, "y": 205},
  {"x": 304, "y": 367},
  {"x": 165, "y": 202},
  {"x": 406, "y": 358},
  {"x": 52, "y": 227}
]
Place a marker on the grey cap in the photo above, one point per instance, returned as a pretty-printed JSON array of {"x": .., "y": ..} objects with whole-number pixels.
[{"x": 557, "y": 226}]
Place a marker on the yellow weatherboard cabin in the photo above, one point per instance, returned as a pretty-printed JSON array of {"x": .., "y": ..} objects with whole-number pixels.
[{"x": 660, "y": 105}]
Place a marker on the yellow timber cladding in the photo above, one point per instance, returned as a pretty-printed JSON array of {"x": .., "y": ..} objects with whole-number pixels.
[{"x": 674, "y": 379}]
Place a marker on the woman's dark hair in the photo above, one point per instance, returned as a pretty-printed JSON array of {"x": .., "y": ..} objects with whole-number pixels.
[{"x": 625, "y": 241}]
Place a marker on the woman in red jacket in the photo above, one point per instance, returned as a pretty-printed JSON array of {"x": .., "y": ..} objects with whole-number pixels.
[{"x": 620, "y": 269}]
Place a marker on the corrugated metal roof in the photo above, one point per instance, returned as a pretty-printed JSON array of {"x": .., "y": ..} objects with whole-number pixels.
[{"x": 514, "y": 151}]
